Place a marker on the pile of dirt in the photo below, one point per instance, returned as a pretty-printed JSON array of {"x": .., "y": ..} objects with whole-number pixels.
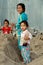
[
  {"x": 9, "y": 50},
  {"x": 11, "y": 54},
  {"x": 37, "y": 45}
]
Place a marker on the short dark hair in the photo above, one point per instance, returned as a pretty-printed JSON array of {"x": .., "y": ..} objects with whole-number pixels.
[
  {"x": 22, "y": 5},
  {"x": 25, "y": 22},
  {"x": 6, "y": 21}
]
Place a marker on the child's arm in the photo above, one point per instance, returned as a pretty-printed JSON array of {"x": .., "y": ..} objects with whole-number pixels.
[
  {"x": 10, "y": 30},
  {"x": 28, "y": 36},
  {"x": 12, "y": 25}
]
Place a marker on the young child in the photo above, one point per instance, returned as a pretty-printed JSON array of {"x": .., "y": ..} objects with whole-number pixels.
[
  {"x": 25, "y": 42},
  {"x": 6, "y": 29},
  {"x": 22, "y": 16}
]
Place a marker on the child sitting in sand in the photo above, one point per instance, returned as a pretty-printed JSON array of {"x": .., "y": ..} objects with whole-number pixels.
[
  {"x": 25, "y": 42},
  {"x": 6, "y": 29}
]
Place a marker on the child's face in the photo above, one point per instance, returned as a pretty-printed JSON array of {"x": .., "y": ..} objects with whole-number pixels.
[
  {"x": 23, "y": 26},
  {"x": 19, "y": 9},
  {"x": 5, "y": 23}
]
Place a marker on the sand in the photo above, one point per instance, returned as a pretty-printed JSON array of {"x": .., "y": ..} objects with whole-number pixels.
[{"x": 10, "y": 54}]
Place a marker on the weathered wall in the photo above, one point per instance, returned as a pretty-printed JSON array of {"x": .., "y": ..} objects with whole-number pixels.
[{"x": 34, "y": 9}]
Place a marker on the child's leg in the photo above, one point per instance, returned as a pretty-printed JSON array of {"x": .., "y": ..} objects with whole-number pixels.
[
  {"x": 19, "y": 34},
  {"x": 25, "y": 52},
  {"x": 19, "y": 44},
  {"x": 28, "y": 53}
]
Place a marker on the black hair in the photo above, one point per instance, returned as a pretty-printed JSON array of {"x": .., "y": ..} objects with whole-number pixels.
[
  {"x": 22, "y": 5},
  {"x": 25, "y": 22},
  {"x": 6, "y": 21}
]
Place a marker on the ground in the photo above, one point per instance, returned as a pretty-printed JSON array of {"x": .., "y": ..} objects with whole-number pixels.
[{"x": 10, "y": 54}]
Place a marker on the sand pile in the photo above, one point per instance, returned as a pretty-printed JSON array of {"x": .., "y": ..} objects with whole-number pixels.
[
  {"x": 37, "y": 44},
  {"x": 10, "y": 54},
  {"x": 38, "y": 61},
  {"x": 9, "y": 50}
]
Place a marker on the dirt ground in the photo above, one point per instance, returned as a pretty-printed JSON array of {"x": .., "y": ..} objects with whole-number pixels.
[{"x": 10, "y": 54}]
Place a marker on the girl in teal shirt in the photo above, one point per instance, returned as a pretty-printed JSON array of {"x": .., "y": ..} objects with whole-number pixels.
[{"x": 22, "y": 16}]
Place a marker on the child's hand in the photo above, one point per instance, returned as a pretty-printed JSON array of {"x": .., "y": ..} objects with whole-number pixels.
[
  {"x": 12, "y": 24},
  {"x": 26, "y": 37}
]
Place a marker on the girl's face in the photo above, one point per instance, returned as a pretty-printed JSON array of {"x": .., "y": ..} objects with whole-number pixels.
[
  {"x": 6, "y": 24},
  {"x": 23, "y": 26},
  {"x": 19, "y": 9}
]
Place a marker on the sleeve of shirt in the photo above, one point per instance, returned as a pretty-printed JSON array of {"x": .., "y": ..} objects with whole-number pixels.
[
  {"x": 23, "y": 17},
  {"x": 30, "y": 35}
]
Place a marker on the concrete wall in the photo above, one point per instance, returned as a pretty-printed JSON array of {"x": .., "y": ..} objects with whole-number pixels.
[{"x": 34, "y": 9}]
